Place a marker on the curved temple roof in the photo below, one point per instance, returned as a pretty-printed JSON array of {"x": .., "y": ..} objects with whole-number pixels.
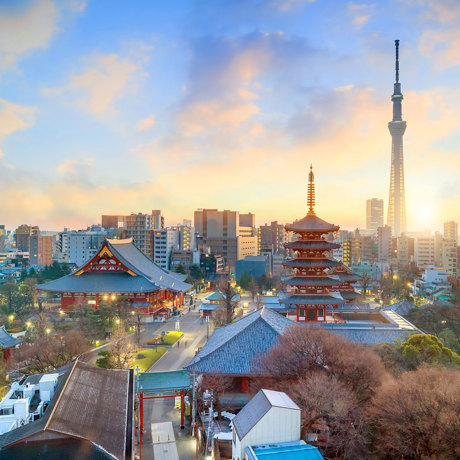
[
  {"x": 146, "y": 276},
  {"x": 311, "y": 224}
]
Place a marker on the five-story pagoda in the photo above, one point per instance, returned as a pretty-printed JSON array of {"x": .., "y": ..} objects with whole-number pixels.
[{"x": 311, "y": 288}]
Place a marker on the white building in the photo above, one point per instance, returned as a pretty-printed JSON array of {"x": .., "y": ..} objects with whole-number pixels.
[
  {"x": 25, "y": 402},
  {"x": 164, "y": 241},
  {"x": 77, "y": 247},
  {"x": 451, "y": 230},
  {"x": 269, "y": 417},
  {"x": 449, "y": 256},
  {"x": 434, "y": 275},
  {"x": 425, "y": 251}
]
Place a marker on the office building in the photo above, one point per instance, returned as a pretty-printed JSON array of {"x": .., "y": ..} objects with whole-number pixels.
[
  {"x": 384, "y": 243},
  {"x": 451, "y": 230},
  {"x": 272, "y": 237},
  {"x": 229, "y": 233},
  {"x": 374, "y": 214},
  {"x": 424, "y": 251},
  {"x": 165, "y": 240}
]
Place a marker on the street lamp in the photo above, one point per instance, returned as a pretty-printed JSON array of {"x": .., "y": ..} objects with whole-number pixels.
[
  {"x": 117, "y": 321},
  {"x": 11, "y": 317},
  {"x": 48, "y": 330},
  {"x": 28, "y": 324},
  {"x": 113, "y": 297}
]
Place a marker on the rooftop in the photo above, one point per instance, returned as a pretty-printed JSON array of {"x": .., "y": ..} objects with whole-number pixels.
[
  {"x": 311, "y": 223},
  {"x": 296, "y": 450}
]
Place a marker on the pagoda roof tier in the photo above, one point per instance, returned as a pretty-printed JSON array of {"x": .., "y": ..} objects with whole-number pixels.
[
  {"x": 310, "y": 263},
  {"x": 310, "y": 281},
  {"x": 310, "y": 299},
  {"x": 346, "y": 277},
  {"x": 350, "y": 295},
  {"x": 311, "y": 223},
  {"x": 119, "y": 266},
  {"x": 311, "y": 244}
]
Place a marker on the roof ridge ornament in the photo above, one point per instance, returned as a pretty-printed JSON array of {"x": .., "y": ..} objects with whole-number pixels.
[{"x": 311, "y": 192}]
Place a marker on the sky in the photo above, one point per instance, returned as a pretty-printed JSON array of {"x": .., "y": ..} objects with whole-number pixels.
[{"x": 113, "y": 107}]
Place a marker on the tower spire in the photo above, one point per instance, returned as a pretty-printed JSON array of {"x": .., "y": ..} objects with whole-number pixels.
[
  {"x": 311, "y": 193},
  {"x": 397, "y": 60}
]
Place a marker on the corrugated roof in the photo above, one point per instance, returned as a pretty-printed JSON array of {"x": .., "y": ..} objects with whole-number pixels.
[
  {"x": 6, "y": 339},
  {"x": 296, "y": 450},
  {"x": 257, "y": 407}
]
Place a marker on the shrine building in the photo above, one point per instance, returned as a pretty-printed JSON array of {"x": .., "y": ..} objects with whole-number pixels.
[{"x": 121, "y": 272}]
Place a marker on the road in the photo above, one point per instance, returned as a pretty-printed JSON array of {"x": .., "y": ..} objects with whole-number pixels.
[{"x": 162, "y": 410}]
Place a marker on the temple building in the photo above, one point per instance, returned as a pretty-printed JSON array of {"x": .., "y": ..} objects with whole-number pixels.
[
  {"x": 318, "y": 284},
  {"x": 120, "y": 272}
]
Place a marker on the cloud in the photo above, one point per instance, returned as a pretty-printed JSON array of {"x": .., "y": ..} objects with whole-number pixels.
[
  {"x": 147, "y": 123},
  {"x": 106, "y": 78},
  {"x": 14, "y": 117},
  {"x": 24, "y": 30},
  {"x": 440, "y": 40},
  {"x": 360, "y": 13}
]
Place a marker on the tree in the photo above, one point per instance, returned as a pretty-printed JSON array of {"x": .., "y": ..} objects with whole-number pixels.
[
  {"x": 253, "y": 287},
  {"x": 245, "y": 280},
  {"x": 303, "y": 350},
  {"x": 180, "y": 269},
  {"x": 228, "y": 303},
  {"x": 121, "y": 349},
  {"x": 365, "y": 281},
  {"x": 417, "y": 416},
  {"x": 424, "y": 348},
  {"x": 44, "y": 354}
]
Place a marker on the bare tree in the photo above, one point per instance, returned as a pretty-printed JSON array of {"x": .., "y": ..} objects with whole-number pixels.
[
  {"x": 47, "y": 353},
  {"x": 121, "y": 349},
  {"x": 417, "y": 416},
  {"x": 253, "y": 288},
  {"x": 228, "y": 302}
]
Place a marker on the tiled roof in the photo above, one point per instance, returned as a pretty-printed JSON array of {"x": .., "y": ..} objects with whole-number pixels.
[
  {"x": 312, "y": 223},
  {"x": 232, "y": 349},
  {"x": 6, "y": 339},
  {"x": 257, "y": 407},
  {"x": 89, "y": 403},
  {"x": 401, "y": 308},
  {"x": 94, "y": 282},
  {"x": 218, "y": 295},
  {"x": 139, "y": 262}
]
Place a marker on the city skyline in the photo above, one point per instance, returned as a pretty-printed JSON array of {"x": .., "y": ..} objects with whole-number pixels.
[{"x": 168, "y": 110}]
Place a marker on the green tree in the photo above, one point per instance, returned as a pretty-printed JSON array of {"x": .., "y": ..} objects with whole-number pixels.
[
  {"x": 180, "y": 269},
  {"x": 245, "y": 279},
  {"x": 424, "y": 348}
]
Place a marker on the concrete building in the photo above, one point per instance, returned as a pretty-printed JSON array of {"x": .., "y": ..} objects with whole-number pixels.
[
  {"x": 424, "y": 251},
  {"x": 374, "y": 214},
  {"x": 404, "y": 251},
  {"x": 434, "y": 275},
  {"x": 187, "y": 239},
  {"x": 229, "y": 233},
  {"x": 397, "y": 127},
  {"x": 451, "y": 230},
  {"x": 184, "y": 257},
  {"x": 255, "y": 266},
  {"x": 269, "y": 417},
  {"x": 41, "y": 250},
  {"x": 272, "y": 237},
  {"x": 77, "y": 247},
  {"x": 449, "y": 257},
  {"x": 384, "y": 243},
  {"x": 165, "y": 240}
]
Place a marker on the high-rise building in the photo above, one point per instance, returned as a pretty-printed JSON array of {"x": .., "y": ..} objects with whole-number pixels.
[
  {"x": 3, "y": 236},
  {"x": 384, "y": 243},
  {"x": 113, "y": 221},
  {"x": 449, "y": 256},
  {"x": 397, "y": 127},
  {"x": 229, "y": 233},
  {"x": 451, "y": 230},
  {"x": 405, "y": 251},
  {"x": 77, "y": 247},
  {"x": 374, "y": 214},
  {"x": 425, "y": 251},
  {"x": 272, "y": 237},
  {"x": 41, "y": 249},
  {"x": 164, "y": 241}
]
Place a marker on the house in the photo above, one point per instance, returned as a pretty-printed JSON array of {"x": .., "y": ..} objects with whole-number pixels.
[
  {"x": 269, "y": 417},
  {"x": 89, "y": 414}
]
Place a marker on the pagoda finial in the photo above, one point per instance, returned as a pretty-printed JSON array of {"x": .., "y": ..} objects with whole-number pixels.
[
  {"x": 397, "y": 60},
  {"x": 311, "y": 193}
]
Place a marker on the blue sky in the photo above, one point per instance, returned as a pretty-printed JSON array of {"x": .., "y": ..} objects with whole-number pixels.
[{"x": 113, "y": 107}]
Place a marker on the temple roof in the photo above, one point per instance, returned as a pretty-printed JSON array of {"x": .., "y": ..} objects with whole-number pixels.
[
  {"x": 232, "y": 349},
  {"x": 311, "y": 299},
  {"x": 311, "y": 223},
  {"x": 6, "y": 339},
  {"x": 143, "y": 274}
]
